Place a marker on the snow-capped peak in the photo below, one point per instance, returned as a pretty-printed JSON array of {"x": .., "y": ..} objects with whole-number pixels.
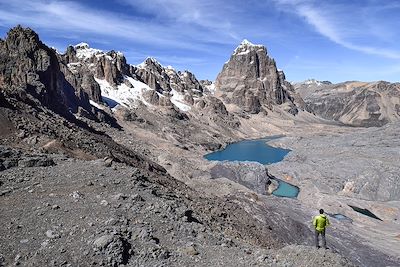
[
  {"x": 245, "y": 47},
  {"x": 81, "y": 46},
  {"x": 246, "y": 42},
  {"x": 147, "y": 61},
  {"x": 84, "y": 51}
]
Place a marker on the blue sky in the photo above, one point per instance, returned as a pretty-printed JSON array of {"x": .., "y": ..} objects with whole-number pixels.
[{"x": 334, "y": 40}]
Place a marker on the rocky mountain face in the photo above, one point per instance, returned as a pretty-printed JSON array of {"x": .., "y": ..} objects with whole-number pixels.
[
  {"x": 251, "y": 80},
  {"x": 32, "y": 72},
  {"x": 28, "y": 66},
  {"x": 353, "y": 103},
  {"x": 128, "y": 85}
]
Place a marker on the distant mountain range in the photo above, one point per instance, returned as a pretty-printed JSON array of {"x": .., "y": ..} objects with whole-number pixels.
[{"x": 352, "y": 103}]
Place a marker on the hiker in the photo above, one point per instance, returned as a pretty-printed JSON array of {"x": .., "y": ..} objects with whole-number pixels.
[{"x": 320, "y": 222}]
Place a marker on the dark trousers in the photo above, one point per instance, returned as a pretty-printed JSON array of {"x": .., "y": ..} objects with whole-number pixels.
[{"x": 317, "y": 239}]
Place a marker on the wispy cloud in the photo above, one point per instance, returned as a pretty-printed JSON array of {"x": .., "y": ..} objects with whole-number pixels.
[
  {"x": 73, "y": 17},
  {"x": 210, "y": 14},
  {"x": 342, "y": 24}
]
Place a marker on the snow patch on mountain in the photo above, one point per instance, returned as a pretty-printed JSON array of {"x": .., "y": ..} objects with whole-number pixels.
[
  {"x": 312, "y": 81},
  {"x": 94, "y": 104},
  {"x": 124, "y": 95},
  {"x": 178, "y": 100}
]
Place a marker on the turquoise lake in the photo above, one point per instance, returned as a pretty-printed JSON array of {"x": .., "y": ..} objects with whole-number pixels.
[
  {"x": 250, "y": 150},
  {"x": 258, "y": 151}
]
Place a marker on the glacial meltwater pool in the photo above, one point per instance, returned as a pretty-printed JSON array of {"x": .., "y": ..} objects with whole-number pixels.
[
  {"x": 258, "y": 151},
  {"x": 250, "y": 150},
  {"x": 286, "y": 190}
]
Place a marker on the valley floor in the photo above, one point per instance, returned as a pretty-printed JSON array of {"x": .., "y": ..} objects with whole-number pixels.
[
  {"x": 334, "y": 166},
  {"x": 92, "y": 212}
]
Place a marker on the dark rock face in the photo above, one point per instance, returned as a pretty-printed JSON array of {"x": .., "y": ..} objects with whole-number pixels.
[
  {"x": 84, "y": 64},
  {"x": 353, "y": 103},
  {"x": 251, "y": 80},
  {"x": 165, "y": 79},
  {"x": 29, "y": 66}
]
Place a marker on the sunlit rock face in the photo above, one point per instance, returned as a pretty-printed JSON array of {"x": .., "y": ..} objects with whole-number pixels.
[{"x": 251, "y": 80}]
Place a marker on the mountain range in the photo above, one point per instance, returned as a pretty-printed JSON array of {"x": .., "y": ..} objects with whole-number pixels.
[{"x": 120, "y": 146}]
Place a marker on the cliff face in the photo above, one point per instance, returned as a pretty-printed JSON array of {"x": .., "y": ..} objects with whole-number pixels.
[
  {"x": 32, "y": 73},
  {"x": 251, "y": 80},
  {"x": 27, "y": 65}
]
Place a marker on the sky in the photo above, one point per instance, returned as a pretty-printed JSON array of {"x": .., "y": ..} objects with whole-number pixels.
[{"x": 335, "y": 40}]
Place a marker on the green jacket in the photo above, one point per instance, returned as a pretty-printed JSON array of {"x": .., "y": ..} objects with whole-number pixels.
[{"x": 320, "y": 222}]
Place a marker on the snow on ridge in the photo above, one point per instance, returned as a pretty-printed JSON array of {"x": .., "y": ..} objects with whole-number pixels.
[
  {"x": 81, "y": 45},
  {"x": 178, "y": 100},
  {"x": 312, "y": 81},
  {"x": 151, "y": 59},
  {"x": 124, "y": 95},
  {"x": 84, "y": 51},
  {"x": 245, "y": 47}
]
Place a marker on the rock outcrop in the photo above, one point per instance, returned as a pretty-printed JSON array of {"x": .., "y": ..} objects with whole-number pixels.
[
  {"x": 251, "y": 81},
  {"x": 34, "y": 73},
  {"x": 166, "y": 79},
  {"x": 252, "y": 175},
  {"x": 354, "y": 103},
  {"x": 29, "y": 66}
]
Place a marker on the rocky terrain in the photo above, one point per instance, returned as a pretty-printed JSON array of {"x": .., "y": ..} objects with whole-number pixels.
[
  {"x": 101, "y": 164},
  {"x": 363, "y": 104}
]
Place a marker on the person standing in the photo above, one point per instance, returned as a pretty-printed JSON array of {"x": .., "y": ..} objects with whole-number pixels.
[{"x": 320, "y": 222}]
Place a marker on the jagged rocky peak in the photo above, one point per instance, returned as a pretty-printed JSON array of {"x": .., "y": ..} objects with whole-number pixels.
[
  {"x": 167, "y": 79},
  {"x": 110, "y": 66},
  {"x": 151, "y": 62},
  {"x": 29, "y": 66},
  {"x": 251, "y": 80},
  {"x": 246, "y": 46}
]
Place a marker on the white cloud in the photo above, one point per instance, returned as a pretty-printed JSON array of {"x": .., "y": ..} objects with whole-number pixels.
[
  {"x": 340, "y": 24},
  {"x": 211, "y": 14},
  {"x": 73, "y": 17}
]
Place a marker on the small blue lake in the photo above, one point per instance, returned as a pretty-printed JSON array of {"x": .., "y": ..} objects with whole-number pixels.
[
  {"x": 258, "y": 151},
  {"x": 286, "y": 190},
  {"x": 250, "y": 150}
]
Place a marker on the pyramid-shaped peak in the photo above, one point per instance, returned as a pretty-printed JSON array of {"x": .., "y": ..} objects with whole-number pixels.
[
  {"x": 149, "y": 61},
  {"x": 246, "y": 46}
]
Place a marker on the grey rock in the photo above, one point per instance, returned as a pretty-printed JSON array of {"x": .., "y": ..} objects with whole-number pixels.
[
  {"x": 251, "y": 80},
  {"x": 252, "y": 175},
  {"x": 190, "y": 250},
  {"x": 52, "y": 234},
  {"x": 103, "y": 241},
  {"x": 35, "y": 162}
]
